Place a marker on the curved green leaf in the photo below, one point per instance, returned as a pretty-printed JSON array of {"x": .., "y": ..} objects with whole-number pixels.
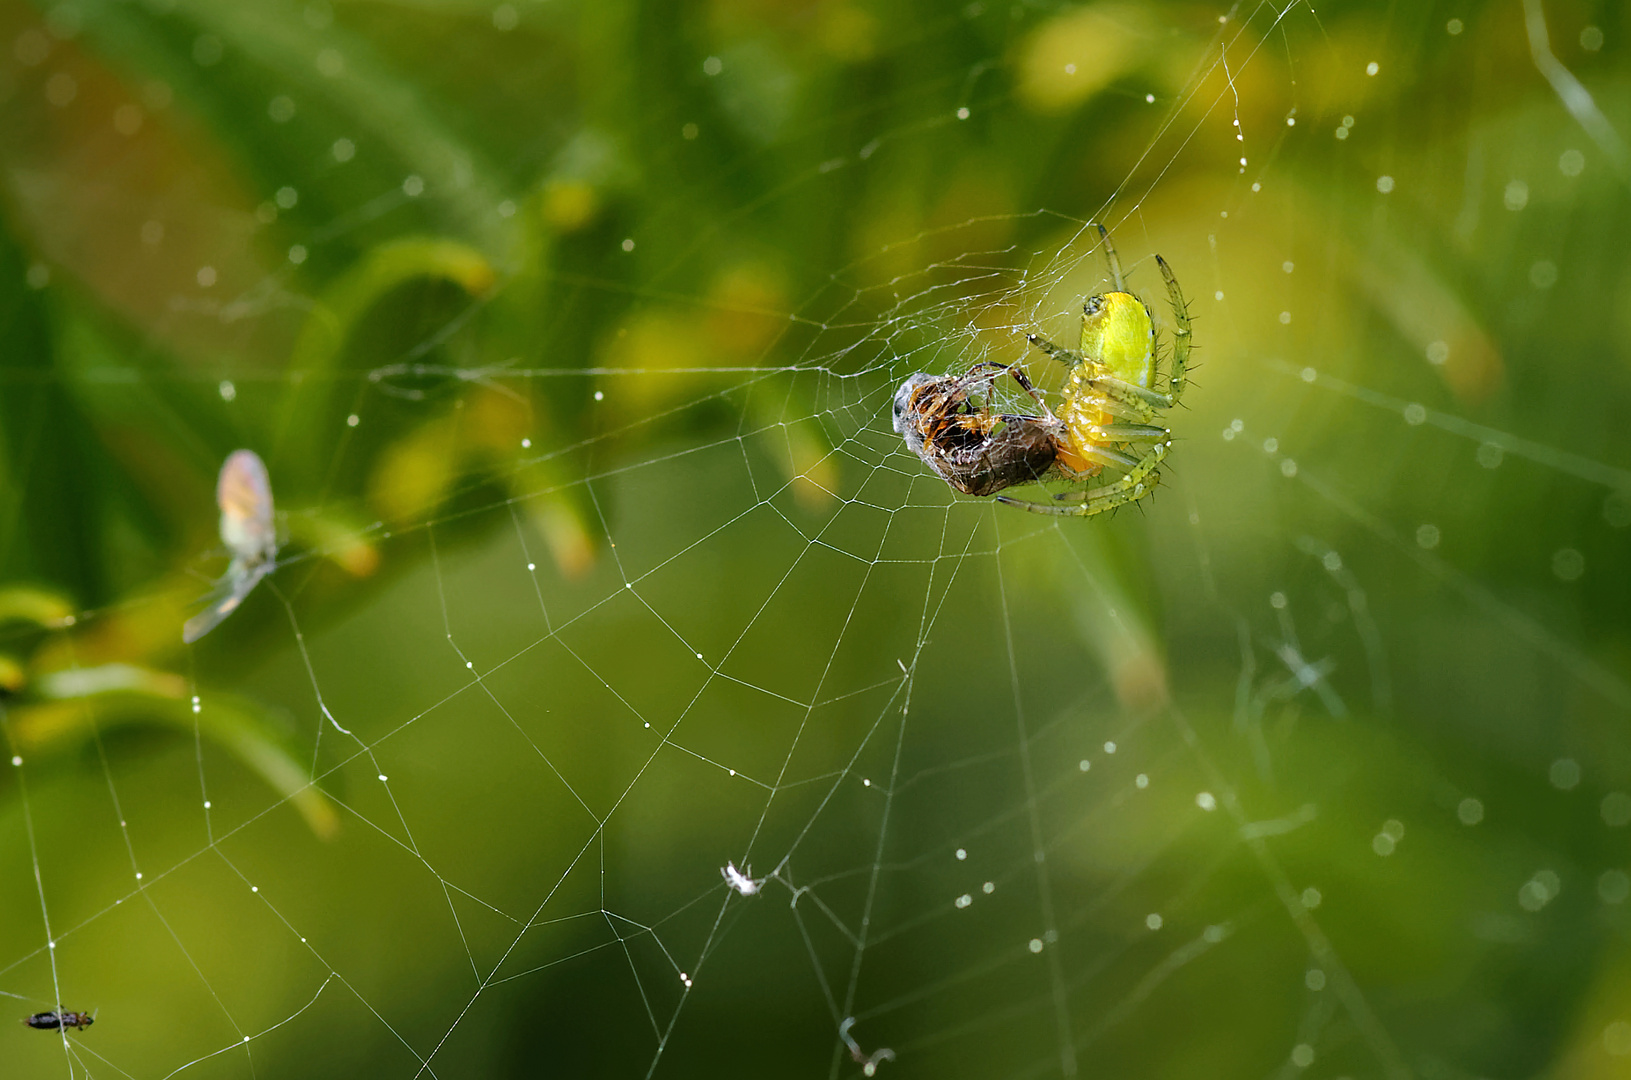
[
  {"x": 73, "y": 705},
  {"x": 27, "y": 603}
]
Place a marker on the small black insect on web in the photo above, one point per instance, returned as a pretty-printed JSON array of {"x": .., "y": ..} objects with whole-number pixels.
[{"x": 60, "y": 1020}]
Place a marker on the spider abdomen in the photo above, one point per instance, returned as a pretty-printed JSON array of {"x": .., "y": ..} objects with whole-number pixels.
[{"x": 1119, "y": 332}]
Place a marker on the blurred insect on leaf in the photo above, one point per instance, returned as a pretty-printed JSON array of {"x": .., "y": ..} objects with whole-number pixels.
[{"x": 244, "y": 494}]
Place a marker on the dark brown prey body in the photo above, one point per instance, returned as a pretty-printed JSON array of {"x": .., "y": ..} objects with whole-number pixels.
[{"x": 974, "y": 450}]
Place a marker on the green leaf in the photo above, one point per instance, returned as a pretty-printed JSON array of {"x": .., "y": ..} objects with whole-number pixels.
[
  {"x": 26, "y": 603},
  {"x": 318, "y": 352},
  {"x": 73, "y": 705}
]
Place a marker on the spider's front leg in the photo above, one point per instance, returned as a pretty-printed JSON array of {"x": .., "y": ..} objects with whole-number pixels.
[
  {"x": 1068, "y": 357},
  {"x": 1180, "y": 333},
  {"x": 1025, "y": 384},
  {"x": 1140, "y": 398},
  {"x": 1110, "y": 256},
  {"x": 1019, "y": 376},
  {"x": 1127, "y": 393}
]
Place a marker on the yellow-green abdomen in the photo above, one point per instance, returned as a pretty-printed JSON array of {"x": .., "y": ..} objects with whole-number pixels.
[{"x": 1120, "y": 335}]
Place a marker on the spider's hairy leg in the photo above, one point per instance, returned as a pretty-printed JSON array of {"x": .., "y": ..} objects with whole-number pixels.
[
  {"x": 1180, "y": 332},
  {"x": 1098, "y": 455},
  {"x": 1049, "y": 421},
  {"x": 1139, "y": 482},
  {"x": 1144, "y": 468},
  {"x": 1096, "y": 505},
  {"x": 989, "y": 376},
  {"x": 1134, "y": 481},
  {"x": 1065, "y": 356},
  {"x": 1113, "y": 259},
  {"x": 1025, "y": 385},
  {"x": 1128, "y": 393},
  {"x": 1087, "y": 410},
  {"x": 1130, "y": 432},
  {"x": 1024, "y": 381}
]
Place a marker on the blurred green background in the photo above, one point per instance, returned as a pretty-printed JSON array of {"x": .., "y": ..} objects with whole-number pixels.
[{"x": 568, "y": 332}]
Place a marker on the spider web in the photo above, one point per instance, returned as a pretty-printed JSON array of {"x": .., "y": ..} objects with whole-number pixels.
[{"x": 1198, "y": 787}]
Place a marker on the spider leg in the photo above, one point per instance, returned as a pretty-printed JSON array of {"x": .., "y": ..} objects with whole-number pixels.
[
  {"x": 1138, "y": 482},
  {"x": 1180, "y": 333},
  {"x": 1107, "y": 455},
  {"x": 1025, "y": 384},
  {"x": 1112, "y": 258},
  {"x": 1129, "y": 393},
  {"x": 1065, "y": 356},
  {"x": 1108, "y": 444},
  {"x": 1090, "y": 452},
  {"x": 996, "y": 368},
  {"x": 1084, "y": 509},
  {"x": 1087, "y": 416},
  {"x": 1093, "y": 410},
  {"x": 994, "y": 365},
  {"x": 1130, "y": 432},
  {"x": 1120, "y": 389},
  {"x": 1024, "y": 381},
  {"x": 1023, "y": 418}
]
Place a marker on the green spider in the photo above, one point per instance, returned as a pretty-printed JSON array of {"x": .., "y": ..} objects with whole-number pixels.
[{"x": 1110, "y": 415}]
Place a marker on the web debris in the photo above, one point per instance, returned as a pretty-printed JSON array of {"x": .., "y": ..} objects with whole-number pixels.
[
  {"x": 741, "y": 880},
  {"x": 868, "y": 1062}
]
